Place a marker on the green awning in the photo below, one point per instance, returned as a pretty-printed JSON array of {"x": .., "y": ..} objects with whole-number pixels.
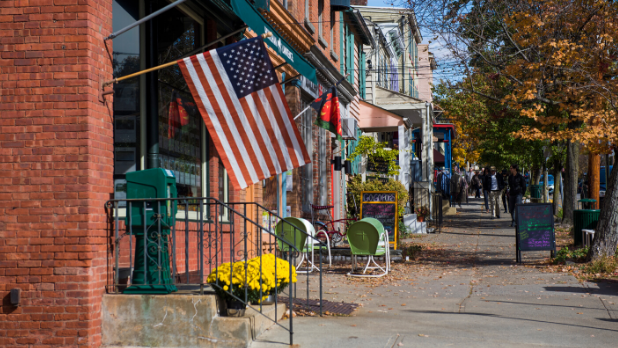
[{"x": 250, "y": 15}]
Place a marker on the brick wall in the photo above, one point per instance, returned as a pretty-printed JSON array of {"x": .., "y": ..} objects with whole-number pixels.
[{"x": 56, "y": 165}]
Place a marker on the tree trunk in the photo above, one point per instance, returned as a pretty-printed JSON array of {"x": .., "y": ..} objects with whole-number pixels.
[
  {"x": 606, "y": 234},
  {"x": 594, "y": 173},
  {"x": 570, "y": 183},
  {"x": 535, "y": 175}
]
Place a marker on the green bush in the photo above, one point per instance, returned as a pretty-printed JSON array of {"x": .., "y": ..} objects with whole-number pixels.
[
  {"x": 578, "y": 255},
  {"x": 356, "y": 185}
]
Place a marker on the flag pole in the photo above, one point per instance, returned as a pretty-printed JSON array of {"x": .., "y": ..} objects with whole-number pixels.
[
  {"x": 307, "y": 108},
  {"x": 110, "y": 82}
]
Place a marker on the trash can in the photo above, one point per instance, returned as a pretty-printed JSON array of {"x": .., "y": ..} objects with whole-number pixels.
[
  {"x": 535, "y": 191},
  {"x": 584, "y": 219}
]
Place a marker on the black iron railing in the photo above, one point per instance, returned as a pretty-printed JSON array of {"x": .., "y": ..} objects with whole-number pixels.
[{"x": 205, "y": 234}]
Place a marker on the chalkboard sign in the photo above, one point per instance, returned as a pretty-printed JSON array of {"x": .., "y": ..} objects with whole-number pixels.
[
  {"x": 382, "y": 205},
  {"x": 535, "y": 228}
]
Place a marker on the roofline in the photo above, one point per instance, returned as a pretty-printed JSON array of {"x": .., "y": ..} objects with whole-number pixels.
[{"x": 361, "y": 26}]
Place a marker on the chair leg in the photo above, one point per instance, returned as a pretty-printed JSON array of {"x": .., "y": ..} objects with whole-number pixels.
[{"x": 369, "y": 259}]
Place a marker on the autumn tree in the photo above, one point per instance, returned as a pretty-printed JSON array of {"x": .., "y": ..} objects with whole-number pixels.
[{"x": 559, "y": 57}]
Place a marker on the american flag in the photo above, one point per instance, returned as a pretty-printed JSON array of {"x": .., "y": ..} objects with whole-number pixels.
[{"x": 241, "y": 101}]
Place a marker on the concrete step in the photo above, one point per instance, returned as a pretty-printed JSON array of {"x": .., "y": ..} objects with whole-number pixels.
[{"x": 179, "y": 320}]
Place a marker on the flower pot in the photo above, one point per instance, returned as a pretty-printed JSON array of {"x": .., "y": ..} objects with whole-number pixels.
[
  {"x": 235, "y": 308},
  {"x": 269, "y": 300},
  {"x": 420, "y": 218}
]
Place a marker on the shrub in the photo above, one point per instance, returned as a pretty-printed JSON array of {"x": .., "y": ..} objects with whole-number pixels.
[{"x": 577, "y": 255}]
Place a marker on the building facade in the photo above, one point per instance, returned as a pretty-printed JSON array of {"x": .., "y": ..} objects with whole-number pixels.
[{"x": 66, "y": 144}]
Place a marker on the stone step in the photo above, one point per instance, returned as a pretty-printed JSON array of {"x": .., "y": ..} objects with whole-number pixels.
[{"x": 180, "y": 320}]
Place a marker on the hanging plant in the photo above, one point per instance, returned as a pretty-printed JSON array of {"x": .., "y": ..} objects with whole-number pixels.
[{"x": 377, "y": 153}]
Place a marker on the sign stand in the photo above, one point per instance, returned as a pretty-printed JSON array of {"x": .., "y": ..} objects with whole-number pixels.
[
  {"x": 535, "y": 229},
  {"x": 382, "y": 205}
]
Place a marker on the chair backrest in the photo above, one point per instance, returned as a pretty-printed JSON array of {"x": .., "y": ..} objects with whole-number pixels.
[
  {"x": 364, "y": 236},
  {"x": 294, "y": 236}
]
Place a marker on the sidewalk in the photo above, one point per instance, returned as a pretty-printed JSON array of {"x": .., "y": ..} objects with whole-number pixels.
[{"x": 467, "y": 292}]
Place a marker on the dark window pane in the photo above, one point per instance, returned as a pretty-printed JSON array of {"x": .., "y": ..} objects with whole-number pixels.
[{"x": 179, "y": 119}]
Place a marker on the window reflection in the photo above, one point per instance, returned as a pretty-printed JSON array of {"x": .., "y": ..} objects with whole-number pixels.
[
  {"x": 179, "y": 119},
  {"x": 126, "y": 60}
]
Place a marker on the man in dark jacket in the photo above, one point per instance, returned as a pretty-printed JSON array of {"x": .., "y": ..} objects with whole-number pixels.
[
  {"x": 517, "y": 189},
  {"x": 494, "y": 183}
]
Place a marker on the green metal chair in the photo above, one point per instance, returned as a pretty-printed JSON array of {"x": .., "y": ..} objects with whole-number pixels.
[
  {"x": 303, "y": 242},
  {"x": 367, "y": 237}
]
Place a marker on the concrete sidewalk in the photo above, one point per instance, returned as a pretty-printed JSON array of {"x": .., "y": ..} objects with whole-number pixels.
[{"x": 467, "y": 292}]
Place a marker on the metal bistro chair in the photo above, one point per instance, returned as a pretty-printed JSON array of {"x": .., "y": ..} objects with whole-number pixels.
[
  {"x": 303, "y": 242},
  {"x": 367, "y": 237}
]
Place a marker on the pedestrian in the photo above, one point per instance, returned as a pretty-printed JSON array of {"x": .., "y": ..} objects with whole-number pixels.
[
  {"x": 505, "y": 192},
  {"x": 517, "y": 188},
  {"x": 476, "y": 185},
  {"x": 494, "y": 184},
  {"x": 463, "y": 188},
  {"x": 485, "y": 189},
  {"x": 455, "y": 187}
]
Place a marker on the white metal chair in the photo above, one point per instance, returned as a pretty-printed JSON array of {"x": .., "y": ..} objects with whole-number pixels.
[{"x": 309, "y": 242}]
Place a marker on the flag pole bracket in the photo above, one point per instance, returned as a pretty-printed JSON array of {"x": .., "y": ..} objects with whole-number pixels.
[{"x": 102, "y": 91}]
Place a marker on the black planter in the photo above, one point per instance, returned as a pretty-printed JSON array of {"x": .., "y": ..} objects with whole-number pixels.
[{"x": 235, "y": 308}]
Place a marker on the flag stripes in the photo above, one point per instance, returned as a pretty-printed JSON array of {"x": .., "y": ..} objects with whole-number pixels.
[{"x": 254, "y": 135}]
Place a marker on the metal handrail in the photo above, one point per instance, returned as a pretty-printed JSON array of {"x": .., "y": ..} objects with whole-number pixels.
[{"x": 154, "y": 237}]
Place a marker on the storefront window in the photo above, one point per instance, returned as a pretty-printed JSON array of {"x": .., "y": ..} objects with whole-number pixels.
[
  {"x": 126, "y": 60},
  {"x": 180, "y": 143}
]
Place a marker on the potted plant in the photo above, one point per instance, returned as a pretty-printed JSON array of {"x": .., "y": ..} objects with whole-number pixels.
[
  {"x": 232, "y": 281},
  {"x": 421, "y": 213}
]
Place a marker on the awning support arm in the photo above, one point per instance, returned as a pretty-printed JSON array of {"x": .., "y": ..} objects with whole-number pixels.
[
  {"x": 150, "y": 16},
  {"x": 107, "y": 83}
]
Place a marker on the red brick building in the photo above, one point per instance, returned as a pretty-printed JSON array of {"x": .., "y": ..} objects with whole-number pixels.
[{"x": 64, "y": 152}]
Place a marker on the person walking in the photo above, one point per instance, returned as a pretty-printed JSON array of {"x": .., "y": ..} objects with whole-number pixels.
[
  {"x": 455, "y": 187},
  {"x": 517, "y": 189},
  {"x": 476, "y": 185},
  {"x": 485, "y": 189},
  {"x": 494, "y": 184},
  {"x": 505, "y": 192}
]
